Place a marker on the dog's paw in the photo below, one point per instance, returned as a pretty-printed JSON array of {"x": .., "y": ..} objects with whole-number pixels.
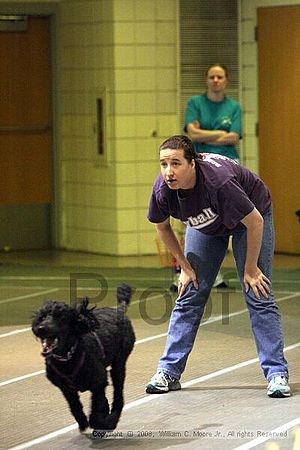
[
  {"x": 83, "y": 426},
  {"x": 111, "y": 421},
  {"x": 97, "y": 422},
  {"x": 91, "y": 434},
  {"x": 86, "y": 432}
]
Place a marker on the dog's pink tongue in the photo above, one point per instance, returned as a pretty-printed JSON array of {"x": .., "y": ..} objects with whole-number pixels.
[{"x": 47, "y": 344}]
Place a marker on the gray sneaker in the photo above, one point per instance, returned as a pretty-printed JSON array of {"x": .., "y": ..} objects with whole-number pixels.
[
  {"x": 161, "y": 383},
  {"x": 278, "y": 387}
]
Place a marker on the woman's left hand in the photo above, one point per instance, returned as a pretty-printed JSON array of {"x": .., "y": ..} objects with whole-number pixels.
[{"x": 256, "y": 280}]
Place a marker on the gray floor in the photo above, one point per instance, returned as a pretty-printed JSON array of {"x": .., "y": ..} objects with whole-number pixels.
[{"x": 223, "y": 403}]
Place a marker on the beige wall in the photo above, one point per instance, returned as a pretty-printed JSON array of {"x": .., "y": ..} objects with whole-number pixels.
[
  {"x": 248, "y": 64},
  {"x": 128, "y": 47}
]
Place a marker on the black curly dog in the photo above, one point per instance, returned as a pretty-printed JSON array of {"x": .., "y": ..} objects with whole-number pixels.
[{"x": 78, "y": 345}]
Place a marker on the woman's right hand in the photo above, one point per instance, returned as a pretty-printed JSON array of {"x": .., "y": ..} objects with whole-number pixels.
[{"x": 187, "y": 276}]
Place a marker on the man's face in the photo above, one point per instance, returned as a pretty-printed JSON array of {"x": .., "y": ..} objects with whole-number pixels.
[{"x": 177, "y": 172}]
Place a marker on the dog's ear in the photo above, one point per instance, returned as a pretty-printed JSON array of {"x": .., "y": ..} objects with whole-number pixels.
[
  {"x": 42, "y": 311},
  {"x": 82, "y": 306},
  {"x": 84, "y": 319}
]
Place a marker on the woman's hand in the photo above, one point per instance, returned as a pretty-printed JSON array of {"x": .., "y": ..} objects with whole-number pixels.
[
  {"x": 187, "y": 276},
  {"x": 253, "y": 276},
  {"x": 256, "y": 280}
]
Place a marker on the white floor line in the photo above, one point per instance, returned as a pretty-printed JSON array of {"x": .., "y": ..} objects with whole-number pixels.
[
  {"x": 261, "y": 440},
  {"x": 140, "y": 341},
  {"x": 62, "y": 278},
  {"x": 61, "y": 288},
  {"x": 18, "y": 288},
  {"x": 23, "y": 330},
  {"x": 273, "y": 281},
  {"x": 34, "y": 374},
  {"x": 150, "y": 338},
  {"x": 32, "y": 277},
  {"x": 152, "y": 397},
  {"x": 231, "y": 368},
  {"x": 21, "y": 297},
  {"x": 155, "y": 297},
  {"x": 21, "y": 378},
  {"x": 158, "y": 278},
  {"x": 45, "y": 438},
  {"x": 49, "y": 290},
  {"x": 14, "y": 332}
]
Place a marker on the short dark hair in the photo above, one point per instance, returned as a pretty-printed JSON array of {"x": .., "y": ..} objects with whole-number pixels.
[
  {"x": 180, "y": 142},
  {"x": 222, "y": 66}
]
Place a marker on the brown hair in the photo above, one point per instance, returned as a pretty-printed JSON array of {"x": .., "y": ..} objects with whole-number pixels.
[
  {"x": 181, "y": 142},
  {"x": 218, "y": 65}
]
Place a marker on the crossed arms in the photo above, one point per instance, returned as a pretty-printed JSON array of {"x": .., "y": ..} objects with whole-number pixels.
[{"x": 211, "y": 137}]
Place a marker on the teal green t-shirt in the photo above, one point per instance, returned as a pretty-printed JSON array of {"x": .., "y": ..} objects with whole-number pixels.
[{"x": 225, "y": 115}]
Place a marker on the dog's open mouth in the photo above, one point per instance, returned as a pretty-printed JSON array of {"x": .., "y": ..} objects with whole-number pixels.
[{"x": 49, "y": 344}]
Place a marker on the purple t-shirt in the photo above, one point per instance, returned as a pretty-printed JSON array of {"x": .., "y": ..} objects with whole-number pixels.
[{"x": 225, "y": 192}]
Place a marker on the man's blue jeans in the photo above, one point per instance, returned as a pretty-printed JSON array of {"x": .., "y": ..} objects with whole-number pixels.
[{"x": 206, "y": 254}]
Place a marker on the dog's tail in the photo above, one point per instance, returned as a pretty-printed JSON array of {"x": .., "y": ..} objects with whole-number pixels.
[{"x": 124, "y": 293}]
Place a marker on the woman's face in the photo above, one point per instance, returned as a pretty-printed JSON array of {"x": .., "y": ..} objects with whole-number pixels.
[
  {"x": 177, "y": 172},
  {"x": 216, "y": 79}
]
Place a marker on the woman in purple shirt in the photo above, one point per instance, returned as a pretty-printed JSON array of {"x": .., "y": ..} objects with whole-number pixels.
[{"x": 216, "y": 197}]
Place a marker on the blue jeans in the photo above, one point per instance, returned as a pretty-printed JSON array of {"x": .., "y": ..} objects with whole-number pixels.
[{"x": 205, "y": 254}]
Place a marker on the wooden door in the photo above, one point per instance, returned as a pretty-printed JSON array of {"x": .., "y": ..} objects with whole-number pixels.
[
  {"x": 279, "y": 118},
  {"x": 25, "y": 135}
]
